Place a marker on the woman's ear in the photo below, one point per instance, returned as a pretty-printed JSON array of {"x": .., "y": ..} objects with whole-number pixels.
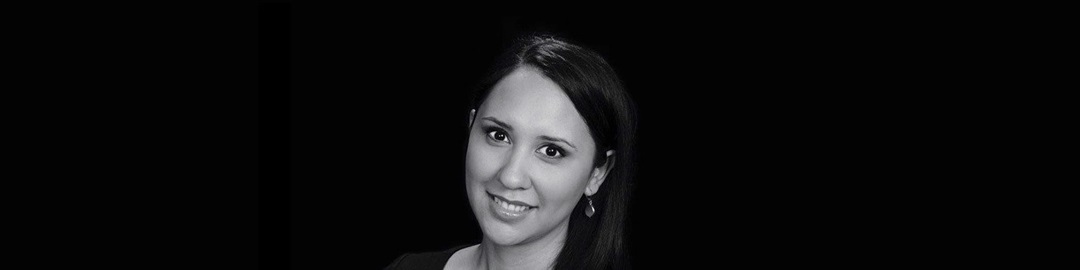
[
  {"x": 600, "y": 173},
  {"x": 472, "y": 116}
]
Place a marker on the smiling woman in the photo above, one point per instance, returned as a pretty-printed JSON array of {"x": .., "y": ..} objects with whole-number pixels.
[{"x": 548, "y": 164}]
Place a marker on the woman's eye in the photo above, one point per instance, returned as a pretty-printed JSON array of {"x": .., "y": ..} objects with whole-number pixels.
[
  {"x": 551, "y": 151},
  {"x": 498, "y": 135}
]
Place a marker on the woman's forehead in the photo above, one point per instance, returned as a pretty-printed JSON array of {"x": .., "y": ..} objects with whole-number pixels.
[{"x": 528, "y": 99}]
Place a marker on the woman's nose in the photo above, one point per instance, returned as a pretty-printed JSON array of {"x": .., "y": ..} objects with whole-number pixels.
[{"x": 513, "y": 174}]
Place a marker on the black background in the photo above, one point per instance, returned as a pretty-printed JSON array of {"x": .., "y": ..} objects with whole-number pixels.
[
  {"x": 300, "y": 137},
  {"x": 763, "y": 140}
]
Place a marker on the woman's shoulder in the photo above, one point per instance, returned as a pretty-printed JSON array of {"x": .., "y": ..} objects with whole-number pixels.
[{"x": 424, "y": 260}]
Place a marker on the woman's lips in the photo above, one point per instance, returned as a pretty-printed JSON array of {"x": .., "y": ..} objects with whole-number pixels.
[
  {"x": 512, "y": 204},
  {"x": 509, "y": 211}
]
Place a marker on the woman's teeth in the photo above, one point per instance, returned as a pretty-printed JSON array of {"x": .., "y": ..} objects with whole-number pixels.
[{"x": 511, "y": 207}]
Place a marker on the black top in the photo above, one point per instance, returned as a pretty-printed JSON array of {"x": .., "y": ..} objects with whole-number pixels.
[{"x": 427, "y": 260}]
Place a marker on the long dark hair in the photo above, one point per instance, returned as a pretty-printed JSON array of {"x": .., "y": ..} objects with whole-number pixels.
[{"x": 598, "y": 95}]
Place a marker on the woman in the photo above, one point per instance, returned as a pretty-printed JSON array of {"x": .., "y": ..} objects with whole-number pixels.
[{"x": 548, "y": 164}]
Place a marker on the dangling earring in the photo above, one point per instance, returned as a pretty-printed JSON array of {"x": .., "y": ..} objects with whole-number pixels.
[{"x": 589, "y": 211}]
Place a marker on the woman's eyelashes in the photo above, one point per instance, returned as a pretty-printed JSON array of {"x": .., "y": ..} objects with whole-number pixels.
[
  {"x": 497, "y": 135},
  {"x": 551, "y": 151}
]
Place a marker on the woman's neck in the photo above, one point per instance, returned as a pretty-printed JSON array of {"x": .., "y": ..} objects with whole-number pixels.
[{"x": 536, "y": 254}]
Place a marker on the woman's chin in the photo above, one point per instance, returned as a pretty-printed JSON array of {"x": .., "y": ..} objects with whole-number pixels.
[{"x": 503, "y": 234}]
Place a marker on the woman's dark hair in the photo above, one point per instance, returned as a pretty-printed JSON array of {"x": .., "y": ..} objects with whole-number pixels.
[{"x": 598, "y": 95}]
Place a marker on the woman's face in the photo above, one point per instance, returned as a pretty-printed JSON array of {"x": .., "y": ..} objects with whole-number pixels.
[{"x": 529, "y": 159}]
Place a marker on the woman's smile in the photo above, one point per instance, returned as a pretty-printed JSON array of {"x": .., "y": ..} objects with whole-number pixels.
[{"x": 509, "y": 210}]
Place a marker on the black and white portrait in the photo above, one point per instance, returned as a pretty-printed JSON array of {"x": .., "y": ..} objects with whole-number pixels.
[
  {"x": 594, "y": 141},
  {"x": 512, "y": 146},
  {"x": 351, "y": 135}
]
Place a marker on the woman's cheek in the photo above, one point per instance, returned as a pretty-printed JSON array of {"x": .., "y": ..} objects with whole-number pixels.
[
  {"x": 472, "y": 171},
  {"x": 480, "y": 161},
  {"x": 562, "y": 184}
]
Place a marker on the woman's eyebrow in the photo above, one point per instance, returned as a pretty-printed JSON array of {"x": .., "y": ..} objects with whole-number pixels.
[
  {"x": 555, "y": 139},
  {"x": 500, "y": 123}
]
